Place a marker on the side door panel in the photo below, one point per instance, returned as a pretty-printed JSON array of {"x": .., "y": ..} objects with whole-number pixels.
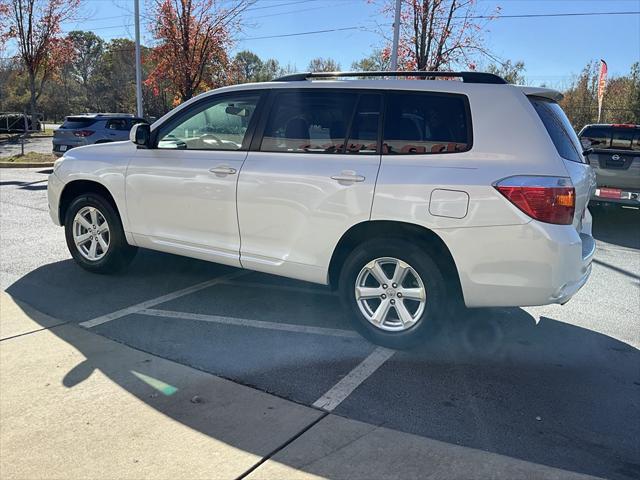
[
  {"x": 181, "y": 196},
  {"x": 175, "y": 203},
  {"x": 295, "y": 204}
]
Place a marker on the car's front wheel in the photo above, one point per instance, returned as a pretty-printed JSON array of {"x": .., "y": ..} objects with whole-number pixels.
[
  {"x": 94, "y": 235},
  {"x": 394, "y": 292}
]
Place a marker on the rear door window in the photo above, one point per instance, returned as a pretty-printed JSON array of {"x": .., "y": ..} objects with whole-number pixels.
[
  {"x": 77, "y": 122},
  {"x": 309, "y": 121},
  {"x": 425, "y": 123},
  {"x": 363, "y": 138},
  {"x": 558, "y": 127}
]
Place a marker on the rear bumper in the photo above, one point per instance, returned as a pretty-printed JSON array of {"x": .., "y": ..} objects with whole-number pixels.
[
  {"x": 520, "y": 265},
  {"x": 630, "y": 197},
  {"x": 67, "y": 144}
]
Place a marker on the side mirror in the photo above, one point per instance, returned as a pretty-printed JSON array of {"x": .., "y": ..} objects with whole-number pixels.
[{"x": 140, "y": 134}]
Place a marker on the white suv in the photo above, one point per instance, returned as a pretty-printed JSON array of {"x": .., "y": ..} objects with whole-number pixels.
[{"x": 404, "y": 194}]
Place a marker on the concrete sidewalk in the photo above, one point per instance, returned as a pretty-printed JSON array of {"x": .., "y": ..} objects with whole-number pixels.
[{"x": 75, "y": 405}]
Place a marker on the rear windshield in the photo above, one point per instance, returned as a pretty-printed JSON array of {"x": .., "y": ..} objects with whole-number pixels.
[
  {"x": 77, "y": 122},
  {"x": 558, "y": 127},
  {"x": 612, "y": 138}
]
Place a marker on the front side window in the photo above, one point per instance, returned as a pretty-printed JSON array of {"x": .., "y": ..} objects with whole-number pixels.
[
  {"x": 309, "y": 122},
  {"x": 217, "y": 125},
  {"x": 419, "y": 123}
]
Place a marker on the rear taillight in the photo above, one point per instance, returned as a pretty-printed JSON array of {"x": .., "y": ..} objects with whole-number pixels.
[
  {"x": 83, "y": 133},
  {"x": 547, "y": 199}
]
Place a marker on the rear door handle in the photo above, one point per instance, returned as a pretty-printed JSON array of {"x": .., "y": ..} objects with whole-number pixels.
[
  {"x": 348, "y": 176},
  {"x": 223, "y": 170}
]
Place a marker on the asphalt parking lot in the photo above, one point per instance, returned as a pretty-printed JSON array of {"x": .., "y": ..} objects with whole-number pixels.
[
  {"x": 554, "y": 385},
  {"x": 9, "y": 147}
]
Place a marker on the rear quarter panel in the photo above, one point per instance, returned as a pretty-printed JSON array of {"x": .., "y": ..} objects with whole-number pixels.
[
  {"x": 508, "y": 139},
  {"x": 494, "y": 244}
]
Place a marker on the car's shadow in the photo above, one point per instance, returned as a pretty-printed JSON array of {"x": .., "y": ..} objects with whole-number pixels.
[
  {"x": 616, "y": 225},
  {"x": 26, "y": 185},
  {"x": 548, "y": 392}
]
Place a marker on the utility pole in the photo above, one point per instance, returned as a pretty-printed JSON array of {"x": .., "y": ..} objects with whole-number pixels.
[
  {"x": 396, "y": 37},
  {"x": 138, "y": 61}
]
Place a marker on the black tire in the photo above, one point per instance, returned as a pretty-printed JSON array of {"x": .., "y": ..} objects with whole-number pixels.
[
  {"x": 118, "y": 254},
  {"x": 427, "y": 324}
]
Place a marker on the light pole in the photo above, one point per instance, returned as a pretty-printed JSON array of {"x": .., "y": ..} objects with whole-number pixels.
[
  {"x": 396, "y": 37},
  {"x": 138, "y": 61}
]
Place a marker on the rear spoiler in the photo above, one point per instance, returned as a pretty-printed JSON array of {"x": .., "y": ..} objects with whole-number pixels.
[{"x": 549, "y": 93}]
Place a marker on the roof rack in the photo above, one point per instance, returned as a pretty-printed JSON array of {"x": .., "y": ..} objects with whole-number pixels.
[{"x": 467, "y": 77}]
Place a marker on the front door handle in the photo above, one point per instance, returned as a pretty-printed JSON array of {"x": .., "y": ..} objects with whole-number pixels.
[
  {"x": 223, "y": 170},
  {"x": 348, "y": 176}
]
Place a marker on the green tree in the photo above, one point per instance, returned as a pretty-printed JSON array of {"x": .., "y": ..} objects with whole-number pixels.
[
  {"x": 510, "y": 71},
  {"x": 323, "y": 65},
  {"x": 115, "y": 77},
  {"x": 375, "y": 62},
  {"x": 88, "y": 49},
  {"x": 247, "y": 66}
]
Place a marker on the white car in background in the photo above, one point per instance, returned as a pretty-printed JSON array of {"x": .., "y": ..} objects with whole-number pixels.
[{"x": 402, "y": 194}]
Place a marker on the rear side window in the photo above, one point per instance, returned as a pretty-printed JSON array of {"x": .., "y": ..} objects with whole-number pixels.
[
  {"x": 423, "y": 123},
  {"x": 118, "y": 124},
  {"x": 558, "y": 128},
  {"x": 624, "y": 139},
  {"x": 77, "y": 122},
  {"x": 309, "y": 122}
]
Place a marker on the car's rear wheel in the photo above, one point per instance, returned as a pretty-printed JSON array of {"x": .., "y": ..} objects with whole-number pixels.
[
  {"x": 94, "y": 235},
  {"x": 394, "y": 292}
]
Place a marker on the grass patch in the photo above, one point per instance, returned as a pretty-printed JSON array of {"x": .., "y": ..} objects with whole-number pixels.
[
  {"x": 10, "y": 136},
  {"x": 30, "y": 157}
]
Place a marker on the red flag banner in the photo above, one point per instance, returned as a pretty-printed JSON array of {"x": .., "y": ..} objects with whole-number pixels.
[{"x": 602, "y": 83}]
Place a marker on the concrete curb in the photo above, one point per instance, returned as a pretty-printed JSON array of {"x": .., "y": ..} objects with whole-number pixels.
[{"x": 26, "y": 164}]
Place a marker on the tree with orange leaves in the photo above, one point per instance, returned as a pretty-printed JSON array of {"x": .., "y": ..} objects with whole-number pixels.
[
  {"x": 192, "y": 41},
  {"x": 439, "y": 34},
  {"x": 35, "y": 26}
]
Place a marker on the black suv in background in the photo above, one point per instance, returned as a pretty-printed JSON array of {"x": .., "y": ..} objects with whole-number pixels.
[
  {"x": 615, "y": 157},
  {"x": 90, "y": 128}
]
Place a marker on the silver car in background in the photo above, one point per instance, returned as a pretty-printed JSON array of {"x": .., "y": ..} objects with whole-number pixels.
[{"x": 90, "y": 128}]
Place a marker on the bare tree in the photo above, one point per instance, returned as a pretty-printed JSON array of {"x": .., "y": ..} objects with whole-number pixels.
[
  {"x": 35, "y": 25},
  {"x": 439, "y": 34}
]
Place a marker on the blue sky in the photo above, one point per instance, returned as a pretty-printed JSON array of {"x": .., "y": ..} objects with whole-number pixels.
[{"x": 553, "y": 49}]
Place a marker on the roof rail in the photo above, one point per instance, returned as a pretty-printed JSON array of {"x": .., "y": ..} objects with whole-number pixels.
[{"x": 467, "y": 77}]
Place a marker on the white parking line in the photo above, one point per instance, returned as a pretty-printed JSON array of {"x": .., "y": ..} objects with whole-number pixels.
[
  {"x": 341, "y": 390},
  {"x": 243, "y": 322},
  {"x": 158, "y": 300}
]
